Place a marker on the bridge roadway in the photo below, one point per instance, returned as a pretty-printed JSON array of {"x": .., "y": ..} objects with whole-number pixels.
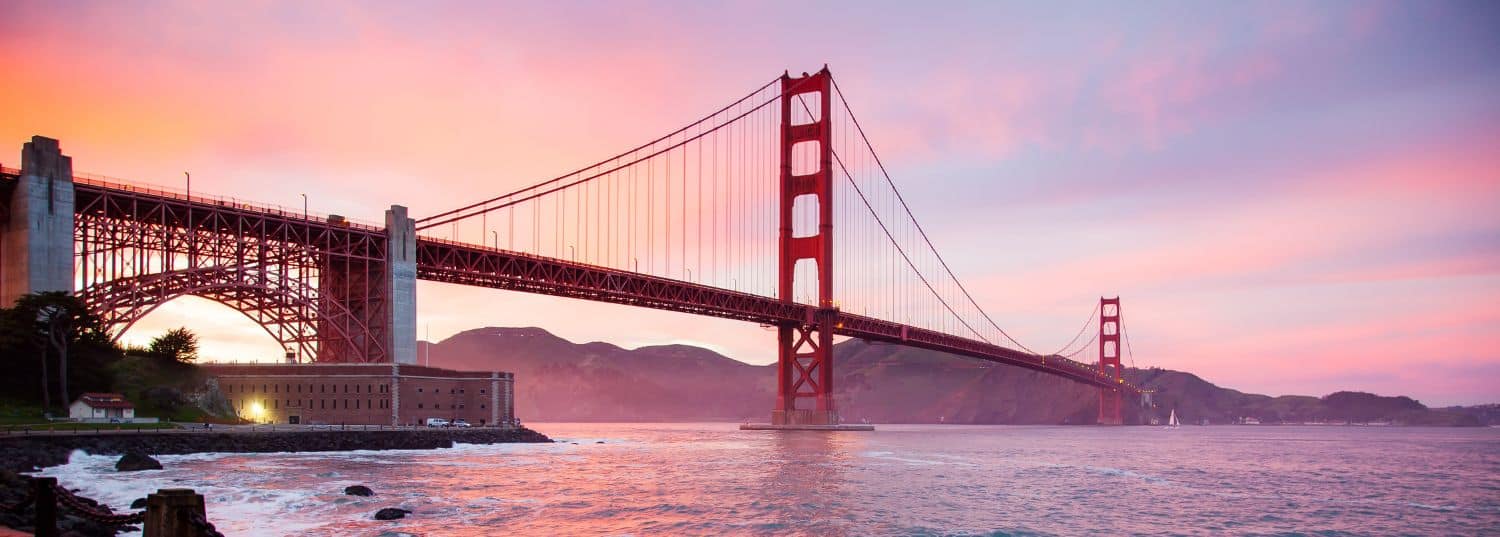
[{"x": 469, "y": 264}]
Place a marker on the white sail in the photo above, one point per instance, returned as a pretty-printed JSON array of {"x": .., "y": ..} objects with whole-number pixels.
[{"x": 1172, "y": 420}]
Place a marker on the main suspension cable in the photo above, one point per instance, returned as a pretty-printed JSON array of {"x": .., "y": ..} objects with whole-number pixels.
[
  {"x": 922, "y": 232},
  {"x": 638, "y": 160},
  {"x": 422, "y": 221}
]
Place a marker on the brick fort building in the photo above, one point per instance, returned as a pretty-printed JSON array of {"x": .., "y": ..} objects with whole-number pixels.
[{"x": 366, "y": 394}]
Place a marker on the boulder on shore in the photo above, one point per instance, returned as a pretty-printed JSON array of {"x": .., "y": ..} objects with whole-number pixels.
[
  {"x": 135, "y": 460},
  {"x": 358, "y": 490},
  {"x": 139, "y": 503},
  {"x": 391, "y": 513}
]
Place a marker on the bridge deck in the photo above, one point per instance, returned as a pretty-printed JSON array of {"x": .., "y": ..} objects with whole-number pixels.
[{"x": 468, "y": 264}]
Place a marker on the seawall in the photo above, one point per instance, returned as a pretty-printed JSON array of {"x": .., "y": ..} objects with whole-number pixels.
[{"x": 28, "y": 453}]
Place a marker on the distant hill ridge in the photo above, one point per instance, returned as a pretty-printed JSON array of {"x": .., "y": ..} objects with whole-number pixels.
[{"x": 558, "y": 380}]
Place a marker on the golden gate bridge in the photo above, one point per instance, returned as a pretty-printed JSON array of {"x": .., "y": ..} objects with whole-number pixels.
[{"x": 774, "y": 209}]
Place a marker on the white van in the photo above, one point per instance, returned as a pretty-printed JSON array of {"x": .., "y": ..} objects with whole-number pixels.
[{"x": 437, "y": 422}]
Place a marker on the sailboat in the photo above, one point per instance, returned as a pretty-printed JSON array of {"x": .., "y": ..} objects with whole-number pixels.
[{"x": 1172, "y": 420}]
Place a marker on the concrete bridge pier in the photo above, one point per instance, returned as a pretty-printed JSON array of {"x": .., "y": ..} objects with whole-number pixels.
[
  {"x": 379, "y": 296},
  {"x": 36, "y": 245},
  {"x": 401, "y": 283}
]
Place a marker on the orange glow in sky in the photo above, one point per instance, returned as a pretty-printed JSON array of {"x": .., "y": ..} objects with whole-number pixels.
[{"x": 1288, "y": 198}]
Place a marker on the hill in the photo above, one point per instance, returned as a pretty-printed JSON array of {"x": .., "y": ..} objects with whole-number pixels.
[{"x": 558, "y": 380}]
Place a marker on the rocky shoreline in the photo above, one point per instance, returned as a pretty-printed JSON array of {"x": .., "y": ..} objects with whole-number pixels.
[{"x": 31, "y": 453}]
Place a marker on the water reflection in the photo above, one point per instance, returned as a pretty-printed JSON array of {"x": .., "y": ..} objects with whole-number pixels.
[
  {"x": 709, "y": 479},
  {"x": 806, "y": 490}
]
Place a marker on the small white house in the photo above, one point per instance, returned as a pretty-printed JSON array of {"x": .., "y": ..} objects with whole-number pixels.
[{"x": 101, "y": 406}]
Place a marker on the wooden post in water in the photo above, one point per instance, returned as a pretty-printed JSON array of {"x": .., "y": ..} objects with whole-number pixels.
[
  {"x": 44, "y": 494},
  {"x": 169, "y": 511}
]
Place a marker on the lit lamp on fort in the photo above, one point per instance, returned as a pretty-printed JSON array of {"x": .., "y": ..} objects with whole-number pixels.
[{"x": 257, "y": 412}]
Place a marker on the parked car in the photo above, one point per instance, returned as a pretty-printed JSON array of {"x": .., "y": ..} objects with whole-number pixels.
[
  {"x": 461, "y": 423},
  {"x": 438, "y": 422}
]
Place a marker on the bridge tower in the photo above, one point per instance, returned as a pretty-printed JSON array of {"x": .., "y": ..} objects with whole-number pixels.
[
  {"x": 36, "y": 246},
  {"x": 804, "y": 364},
  {"x": 1109, "y": 361}
]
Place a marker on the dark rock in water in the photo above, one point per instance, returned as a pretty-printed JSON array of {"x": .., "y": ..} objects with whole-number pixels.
[
  {"x": 391, "y": 513},
  {"x": 358, "y": 490},
  {"x": 135, "y": 460},
  {"x": 599, "y": 442},
  {"x": 139, "y": 503}
]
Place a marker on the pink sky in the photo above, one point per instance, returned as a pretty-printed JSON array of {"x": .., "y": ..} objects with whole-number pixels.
[{"x": 1290, "y": 198}]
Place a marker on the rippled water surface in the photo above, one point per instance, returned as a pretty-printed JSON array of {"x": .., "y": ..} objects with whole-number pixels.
[{"x": 697, "y": 479}]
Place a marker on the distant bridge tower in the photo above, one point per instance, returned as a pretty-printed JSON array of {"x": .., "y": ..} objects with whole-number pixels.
[
  {"x": 804, "y": 364},
  {"x": 1109, "y": 361}
]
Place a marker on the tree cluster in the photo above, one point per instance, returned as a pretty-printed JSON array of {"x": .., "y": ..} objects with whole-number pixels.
[{"x": 53, "y": 349}]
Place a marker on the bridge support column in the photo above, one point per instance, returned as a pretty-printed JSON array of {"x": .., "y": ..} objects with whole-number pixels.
[
  {"x": 379, "y": 292},
  {"x": 401, "y": 283},
  {"x": 36, "y": 246},
  {"x": 1110, "y": 399},
  {"x": 804, "y": 370}
]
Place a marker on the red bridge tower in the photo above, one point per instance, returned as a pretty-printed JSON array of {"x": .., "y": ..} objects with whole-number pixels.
[
  {"x": 804, "y": 362},
  {"x": 1109, "y": 361}
]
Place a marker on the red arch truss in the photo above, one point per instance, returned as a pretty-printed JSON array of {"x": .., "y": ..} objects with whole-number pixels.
[{"x": 288, "y": 309}]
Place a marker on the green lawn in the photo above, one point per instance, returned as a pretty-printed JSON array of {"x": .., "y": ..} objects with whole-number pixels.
[
  {"x": 12, "y": 411},
  {"x": 16, "y": 415}
]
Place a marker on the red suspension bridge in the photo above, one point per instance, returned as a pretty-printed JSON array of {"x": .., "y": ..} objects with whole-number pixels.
[{"x": 733, "y": 215}]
